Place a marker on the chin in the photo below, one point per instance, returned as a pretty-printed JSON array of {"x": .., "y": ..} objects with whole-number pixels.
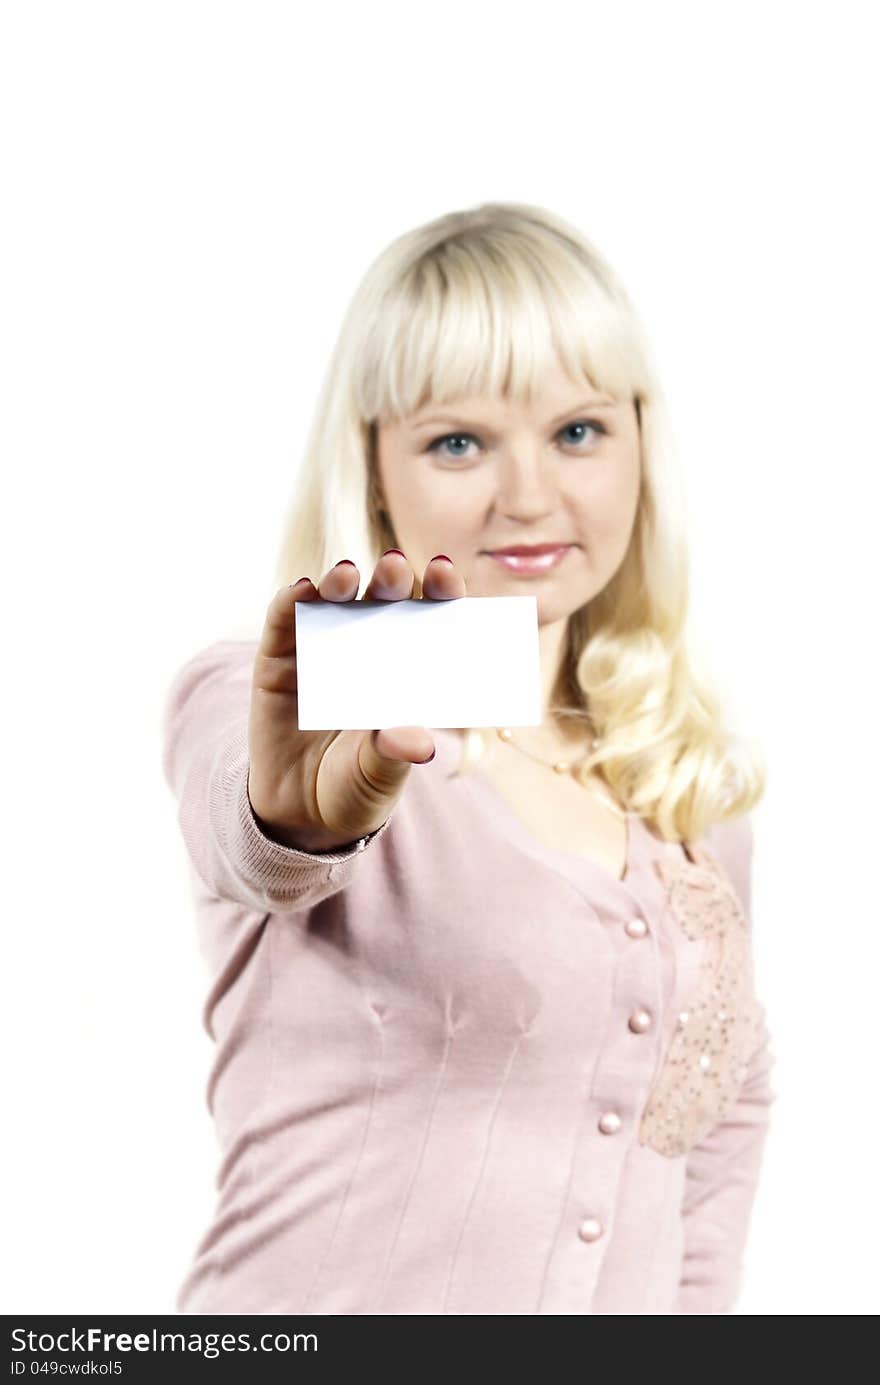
[
  {"x": 554, "y": 606},
  {"x": 551, "y": 613}
]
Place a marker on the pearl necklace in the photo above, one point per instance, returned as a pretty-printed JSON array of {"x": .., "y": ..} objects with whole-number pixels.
[
  {"x": 505, "y": 734},
  {"x": 559, "y": 766}
]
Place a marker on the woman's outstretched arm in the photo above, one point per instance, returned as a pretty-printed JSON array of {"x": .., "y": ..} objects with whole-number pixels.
[{"x": 205, "y": 762}]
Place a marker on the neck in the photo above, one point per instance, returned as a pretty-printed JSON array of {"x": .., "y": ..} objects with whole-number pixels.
[{"x": 554, "y": 730}]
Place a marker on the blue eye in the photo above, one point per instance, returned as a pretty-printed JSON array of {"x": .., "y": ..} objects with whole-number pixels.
[
  {"x": 450, "y": 437},
  {"x": 597, "y": 427}
]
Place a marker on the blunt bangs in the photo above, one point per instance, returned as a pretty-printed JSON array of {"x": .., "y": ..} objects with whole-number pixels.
[{"x": 487, "y": 314}]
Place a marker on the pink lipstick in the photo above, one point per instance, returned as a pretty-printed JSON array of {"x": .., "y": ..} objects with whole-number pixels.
[{"x": 530, "y": 560}]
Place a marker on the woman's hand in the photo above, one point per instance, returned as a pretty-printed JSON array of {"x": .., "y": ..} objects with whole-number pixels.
[{"x": 319, "y": 790}]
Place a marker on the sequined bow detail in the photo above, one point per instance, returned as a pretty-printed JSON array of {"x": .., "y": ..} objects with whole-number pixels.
[{"x": 706, "y": 1062}]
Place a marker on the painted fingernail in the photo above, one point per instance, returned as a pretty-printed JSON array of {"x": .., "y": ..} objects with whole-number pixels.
[
  {"x": 393, "y": 550},
  {"x": 299, "y": 581},
  {"x": 444, "y": 556},
  {"x": 429, "y": 759},
  {"x": 342, "y": 562}
]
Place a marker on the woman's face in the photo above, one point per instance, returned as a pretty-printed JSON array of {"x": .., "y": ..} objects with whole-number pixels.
[{"x": 486, "y": 474}]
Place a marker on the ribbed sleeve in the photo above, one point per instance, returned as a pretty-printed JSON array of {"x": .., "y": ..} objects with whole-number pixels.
[{"x": 206, "y": 764}]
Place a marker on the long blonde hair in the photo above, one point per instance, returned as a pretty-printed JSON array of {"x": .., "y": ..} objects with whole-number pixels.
[{"x": 478, "y": 302}]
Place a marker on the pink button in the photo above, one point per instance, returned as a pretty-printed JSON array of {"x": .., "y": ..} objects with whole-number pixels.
[
  {"x": 590, "y": 1229},
  {"x": 637, "y": 928},
  {"x": 640, "y": 1021},
  {"x": 609, "y": 1123}
]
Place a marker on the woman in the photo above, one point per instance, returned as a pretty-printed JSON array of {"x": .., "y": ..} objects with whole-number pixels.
[{"x": 487, "y": 1037}]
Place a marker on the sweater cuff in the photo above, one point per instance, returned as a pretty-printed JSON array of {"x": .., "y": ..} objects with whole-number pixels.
[
  {"x": 267, "y": 851},
  {"x": 274, "y": 874}
]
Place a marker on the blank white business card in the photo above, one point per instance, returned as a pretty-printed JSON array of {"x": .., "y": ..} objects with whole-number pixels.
[{"x": 368, "y": 664}]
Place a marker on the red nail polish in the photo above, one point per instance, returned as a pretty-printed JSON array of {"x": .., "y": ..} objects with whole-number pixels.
[
  {"x": 299, "y": 580},
  {"x": 444, "y": 556},
  {"x": 343, "y": 561},
  {"x": 393, "y": 550}
]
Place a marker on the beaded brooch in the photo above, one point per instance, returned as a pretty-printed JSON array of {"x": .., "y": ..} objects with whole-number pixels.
[{"x": 707, "y": 1059}]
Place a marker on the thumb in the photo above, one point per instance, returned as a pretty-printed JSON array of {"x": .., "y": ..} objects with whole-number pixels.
[{"x": 386, "y": 756}]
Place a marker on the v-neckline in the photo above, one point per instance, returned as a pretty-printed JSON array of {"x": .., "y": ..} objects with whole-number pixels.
[{"x": 570, "y": 863}]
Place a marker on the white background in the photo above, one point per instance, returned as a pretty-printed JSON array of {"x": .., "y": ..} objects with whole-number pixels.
[{"x": 191, "y": 193}]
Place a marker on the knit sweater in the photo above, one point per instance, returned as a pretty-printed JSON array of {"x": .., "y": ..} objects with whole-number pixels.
[{"x": 456, "y": 1070}]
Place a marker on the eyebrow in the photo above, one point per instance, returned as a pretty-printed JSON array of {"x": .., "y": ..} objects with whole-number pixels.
[{"x": 591, "y": 406}]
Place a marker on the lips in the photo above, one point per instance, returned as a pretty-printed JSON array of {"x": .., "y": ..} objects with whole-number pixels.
[
  {"x": 530, "y": 561},
  {"x": 527, "y": 550}
]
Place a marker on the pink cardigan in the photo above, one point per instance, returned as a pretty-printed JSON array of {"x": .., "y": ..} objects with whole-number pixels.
[{"x": 457, "y": 1071}]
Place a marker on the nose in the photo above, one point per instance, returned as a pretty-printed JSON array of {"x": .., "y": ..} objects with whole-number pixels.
[{"x": 526, "y": 486}]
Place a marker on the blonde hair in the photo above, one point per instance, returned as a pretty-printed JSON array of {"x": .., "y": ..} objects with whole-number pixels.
[{"x": 478, "y": 302}]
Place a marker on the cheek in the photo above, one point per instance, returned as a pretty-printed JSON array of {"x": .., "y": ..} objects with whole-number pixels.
[
  {"x": 605, "y": 510},
  {"x": 432, "y": 513},
  {"x": 457, "y": 503}
]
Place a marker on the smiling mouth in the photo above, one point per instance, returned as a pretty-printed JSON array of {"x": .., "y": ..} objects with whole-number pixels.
[{"x": 530, "y": 561}]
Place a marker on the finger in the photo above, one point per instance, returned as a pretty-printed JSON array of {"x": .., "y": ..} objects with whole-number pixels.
[
  {"x": 442, "y": 580},
  {"x": 278, "y": 637},
  {"x": 385, "y": 756},
  {"x": 341, "y": 582},
  {"x": 393, "y": 578}
]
